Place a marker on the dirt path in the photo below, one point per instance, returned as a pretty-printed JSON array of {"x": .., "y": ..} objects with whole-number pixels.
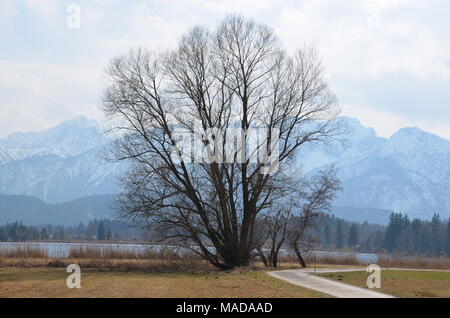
[{"x": 305, "y": 279}]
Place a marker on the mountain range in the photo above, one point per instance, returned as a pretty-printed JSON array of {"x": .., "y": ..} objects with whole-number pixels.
[
  {"x": 59, "y": 164},
  {"x": 408, "y": 172}
]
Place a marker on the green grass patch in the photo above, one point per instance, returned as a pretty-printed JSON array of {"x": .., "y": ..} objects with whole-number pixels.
[{"x": 401, "y": 283}]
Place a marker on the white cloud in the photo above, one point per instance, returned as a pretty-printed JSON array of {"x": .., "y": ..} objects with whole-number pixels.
[
  {"x": 38, "y": 95},
  {"x": 350, "y": 45},
  {"x": 365, "y": 45},
  {"x": 247, "y": 6},
  {"x": 47, "y": 9},
  {"x": 7, "y": 7}
]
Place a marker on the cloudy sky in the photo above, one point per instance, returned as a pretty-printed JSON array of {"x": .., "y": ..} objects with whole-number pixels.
[{"x": 388, "y": 61}]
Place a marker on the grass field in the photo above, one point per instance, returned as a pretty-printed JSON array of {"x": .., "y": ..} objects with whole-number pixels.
[
  {"x": 51, "y": 282},
  {"x": 409, "y": 284},
  {"x": 28, "y": 272}
]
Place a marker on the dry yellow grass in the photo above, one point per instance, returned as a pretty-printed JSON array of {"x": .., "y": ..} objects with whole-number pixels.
[
  {"x": 23, "y": 252},
  {"x": 168, "y": 260},
  {"x": 337, "y": 260},
  {"x": 413, "y": 262},
  {"x": 50, "y": 282},
  {"x": 93, "y": 252},
  {"x": 155, "y": 265},
  {"x": 149, "y": 265}
]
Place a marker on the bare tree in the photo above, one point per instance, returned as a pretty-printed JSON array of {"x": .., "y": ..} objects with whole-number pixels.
[
  {"x": 236, "y": 76},
  {"x": 316, "y": 198},
  {"x": 288, "y": 225},
  {"x": 271, "y": 233}
]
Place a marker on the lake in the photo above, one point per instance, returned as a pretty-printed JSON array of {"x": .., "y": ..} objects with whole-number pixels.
[{"x": 61, "y": 250}]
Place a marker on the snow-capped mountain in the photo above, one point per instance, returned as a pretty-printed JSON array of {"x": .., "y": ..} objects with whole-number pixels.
[
  {"x": 408, "y": 172},
  {"x": 70, "y": 138},
  {"x": 59, "y": 164}
]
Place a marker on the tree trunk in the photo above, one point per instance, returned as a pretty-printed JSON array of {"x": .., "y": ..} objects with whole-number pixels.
[
  {"x": 300, "y": 259},
  {"x": 263, "y": 257},
  {"x": 275, "y": 261}
]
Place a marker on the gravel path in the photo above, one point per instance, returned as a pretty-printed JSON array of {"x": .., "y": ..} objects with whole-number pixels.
[{"x": 304, "y": 278}]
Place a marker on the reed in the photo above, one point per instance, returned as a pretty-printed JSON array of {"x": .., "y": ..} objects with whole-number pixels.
[
  {"x": 23, "y": 252},
  {"x": 413, "y": 262}
]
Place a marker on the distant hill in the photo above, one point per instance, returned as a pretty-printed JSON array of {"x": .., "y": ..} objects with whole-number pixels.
[{"x": 32, "y": 211}]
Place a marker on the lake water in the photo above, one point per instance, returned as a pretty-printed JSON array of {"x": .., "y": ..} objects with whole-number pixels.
[
  {"x": 362, "y": 257},
  {"x": 61, "y": 250}
]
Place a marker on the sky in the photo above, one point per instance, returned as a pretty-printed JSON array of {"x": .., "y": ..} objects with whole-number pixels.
[{"x": 388, "y": 61}]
